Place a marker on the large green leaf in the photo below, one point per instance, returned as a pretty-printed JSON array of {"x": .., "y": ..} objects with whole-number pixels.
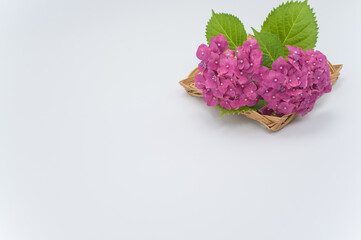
[
  {"x": 294, "y": 23},
  {"x": 270, "y": 45},
  {"x": 228, "y": 25}
]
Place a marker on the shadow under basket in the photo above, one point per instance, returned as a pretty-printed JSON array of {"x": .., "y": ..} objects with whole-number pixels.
[{"x": 273, "y": 123}]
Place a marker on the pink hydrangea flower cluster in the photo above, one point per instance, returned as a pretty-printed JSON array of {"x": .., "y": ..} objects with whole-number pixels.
[
  {"x": 238, "y": 79},
  {"x": 226, "y": 77},
  {"x": 294, "y": 85}
]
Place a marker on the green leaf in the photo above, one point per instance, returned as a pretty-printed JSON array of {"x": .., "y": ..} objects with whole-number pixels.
[
  {"x": 260, "y": 104},
  {"x": 270, "y": 45},
  {"x": 228, "y": 25},
  {"x": 294, "y": 23}
]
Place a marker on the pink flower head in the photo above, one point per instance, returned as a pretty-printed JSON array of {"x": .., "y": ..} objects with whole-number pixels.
[
  {"x": 229, "y": 78},
  {"x": 303, "y": 78}
]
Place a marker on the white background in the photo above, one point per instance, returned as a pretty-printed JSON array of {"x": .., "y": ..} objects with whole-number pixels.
[{"x": 99, "y": 141}]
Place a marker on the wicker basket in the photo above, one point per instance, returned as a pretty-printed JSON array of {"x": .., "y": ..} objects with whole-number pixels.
[{"x": 271, "y": 122}]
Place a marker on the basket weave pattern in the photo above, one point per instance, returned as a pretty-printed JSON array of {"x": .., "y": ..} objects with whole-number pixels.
[{"x": 273, "y": 123}]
